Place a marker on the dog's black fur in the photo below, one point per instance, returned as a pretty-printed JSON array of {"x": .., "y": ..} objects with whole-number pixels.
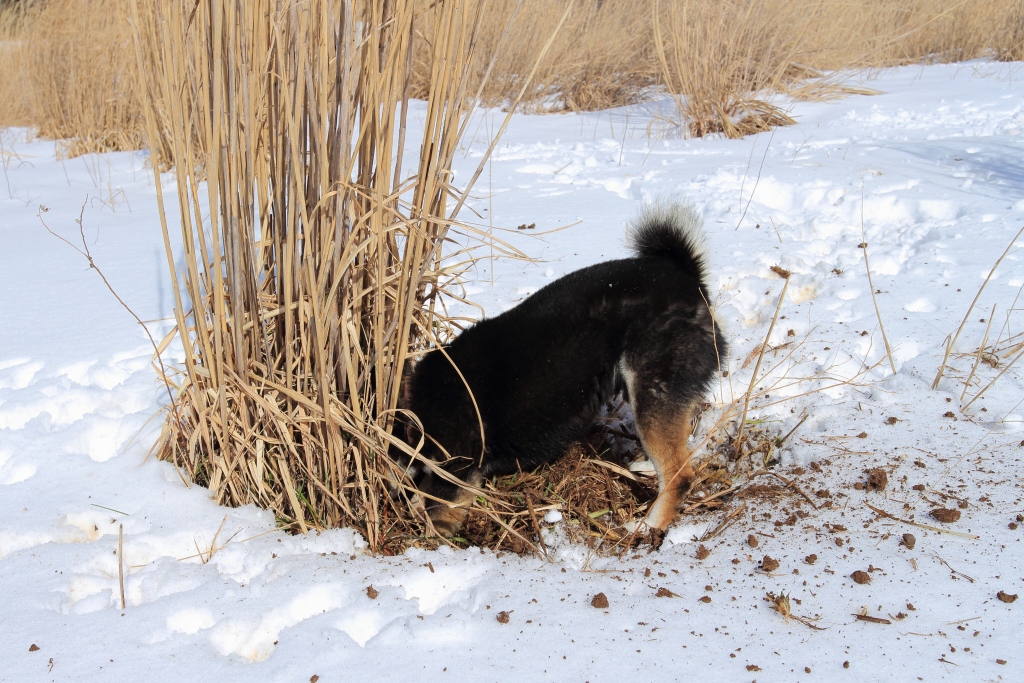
[{"x": 540, "y": 372}]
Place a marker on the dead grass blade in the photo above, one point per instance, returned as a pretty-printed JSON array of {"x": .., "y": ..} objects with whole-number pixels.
[
  {"x": 967, "y": 315},
  {"x": 757, "y": 366},
  {"x": 950, "y": 532}
]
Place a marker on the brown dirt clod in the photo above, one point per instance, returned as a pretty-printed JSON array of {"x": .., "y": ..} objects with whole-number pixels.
[
  {"x": 908, "y": 541},
  {"x": 702, "y": 551},
  {"x": 705, "y": 598},
  {"x": 768, "y": 564},
  {"x": 878, "y": 479},
  {"x": 371, "y": 592},
  {"x": 33, "y": 647},
  {"x": 860, "y": 577},
  {"x": 811, "y": 559},
  {"x": 752, "y": 541},
  {"x": 945, "y": 515},
  {"x": 891, "y": 421},
  {"x": 665, "y": 593},
  {"x": 753, "y": 667},
  {"x": 600, "y": 601},
  {"x": 502, "y": 617},
  {"x": 1006, "y": 597}
]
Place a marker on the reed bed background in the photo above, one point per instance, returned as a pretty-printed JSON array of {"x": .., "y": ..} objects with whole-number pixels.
[{"x": 65, "y": 71}]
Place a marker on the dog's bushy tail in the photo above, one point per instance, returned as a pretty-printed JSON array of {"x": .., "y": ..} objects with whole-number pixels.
[{"x": 673, "y": 231}]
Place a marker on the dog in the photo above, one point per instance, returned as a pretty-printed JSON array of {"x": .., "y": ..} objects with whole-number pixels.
[{"x": 514, "y": 391}]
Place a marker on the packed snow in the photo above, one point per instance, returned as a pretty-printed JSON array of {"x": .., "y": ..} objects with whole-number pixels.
[{"x": 928, "y": 174}]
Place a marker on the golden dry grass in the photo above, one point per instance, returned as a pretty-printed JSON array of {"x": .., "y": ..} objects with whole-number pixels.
[{"x": 66, "y": 71}]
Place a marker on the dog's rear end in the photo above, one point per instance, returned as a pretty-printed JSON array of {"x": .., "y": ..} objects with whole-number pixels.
[
  {"x": 536, "y": 376},
  {"x": 670, "y": 361}
]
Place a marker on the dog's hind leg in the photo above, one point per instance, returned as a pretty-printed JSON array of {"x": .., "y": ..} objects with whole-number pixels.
[{"x": 664, "y": 434}]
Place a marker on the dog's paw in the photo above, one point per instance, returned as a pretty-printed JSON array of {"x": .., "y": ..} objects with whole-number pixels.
[{"x": 446, "y": 520}]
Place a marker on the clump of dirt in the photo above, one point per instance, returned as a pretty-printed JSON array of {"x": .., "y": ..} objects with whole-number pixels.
[
  {"x": 878, "y": 479},
  {"x": 945, "y": 515},
  {"x": 502, "y": 617},
  {"x": 665, "y": 593},
  {"x": 860, "y": 577},
  {"x": 908, "y": 541},
  {"x": 768, "y": 564},
  {"x": 702, "y": 552},
  {"x": 1006, "y": 597},
  {"x": 752, "y": 540},
  {"x": 811, "y": 559},
  {"x": 371, "y": 592},
  {"x": 600, "y": 601}
]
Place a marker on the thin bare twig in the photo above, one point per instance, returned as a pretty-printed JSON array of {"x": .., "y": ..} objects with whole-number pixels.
[
  {"x": 84, "y": 251},
  {"x": 120, "y": 561},
  {"x": 871, "y": 285}
]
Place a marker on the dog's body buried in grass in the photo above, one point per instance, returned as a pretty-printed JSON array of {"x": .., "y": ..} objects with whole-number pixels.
[{"x": 540, "y": 372}]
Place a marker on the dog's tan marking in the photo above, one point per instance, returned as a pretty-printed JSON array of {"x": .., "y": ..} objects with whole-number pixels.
[{"x": 664, "y": 438}]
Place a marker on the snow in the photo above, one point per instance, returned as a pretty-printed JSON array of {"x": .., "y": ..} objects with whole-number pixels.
[{"x": 928, "y": 173}]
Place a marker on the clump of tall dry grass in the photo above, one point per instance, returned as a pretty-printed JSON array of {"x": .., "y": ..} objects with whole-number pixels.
[
  {"x": 601, "y": 56},
  {"x": 68, "y": 73},
  {"x": 312, "y": 266}
]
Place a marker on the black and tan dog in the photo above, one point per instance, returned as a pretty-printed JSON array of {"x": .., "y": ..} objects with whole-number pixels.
[{"x": 540, "y": 372}]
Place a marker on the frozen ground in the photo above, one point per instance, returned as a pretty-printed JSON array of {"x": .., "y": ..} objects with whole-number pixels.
[{"x": 937, "y": 159}]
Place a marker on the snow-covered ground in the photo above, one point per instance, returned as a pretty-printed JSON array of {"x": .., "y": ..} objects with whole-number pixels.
[{"x": 932, "y": 166}]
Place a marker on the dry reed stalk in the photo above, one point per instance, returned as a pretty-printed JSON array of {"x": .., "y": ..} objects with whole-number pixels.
[
  {"x": 963, "y": 323},
  {"x": 981, "y": 352},
  {"x": 988, "y": 386},
  {"x": 757, "y": 367}
]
